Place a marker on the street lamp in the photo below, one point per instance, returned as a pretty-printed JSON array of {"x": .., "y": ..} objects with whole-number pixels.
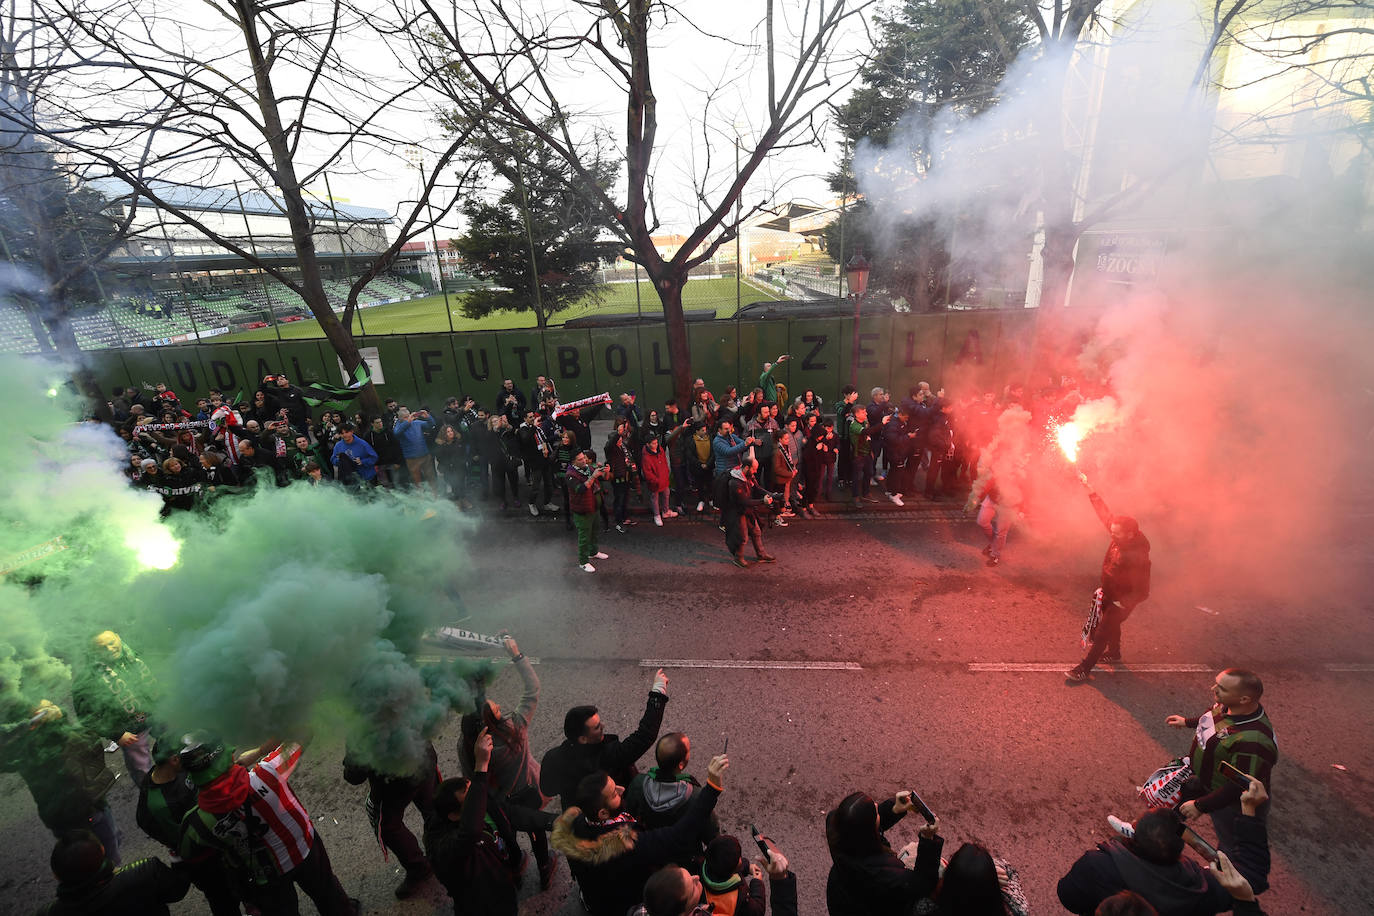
[{"x": 857, "y": 271}]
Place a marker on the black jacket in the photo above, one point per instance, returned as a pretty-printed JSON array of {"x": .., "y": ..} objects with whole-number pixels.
[
  {"x": 142, "y": 888},
  {"x": 1126, "y": 566},
  {"x": 479, "y": 863},
  {"x": 611, "y": 863},
  {"x": 879, "y": 884},
  {"x": 564, "y": 766},
  {"x": 1184, "y": 888}
]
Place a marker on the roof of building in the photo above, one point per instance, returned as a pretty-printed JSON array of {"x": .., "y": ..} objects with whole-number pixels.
[{"x": 227, "y": 200}]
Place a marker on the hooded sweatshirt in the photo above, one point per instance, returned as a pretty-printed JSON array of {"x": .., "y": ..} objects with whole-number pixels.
[{"x": 1182, "y": 888}]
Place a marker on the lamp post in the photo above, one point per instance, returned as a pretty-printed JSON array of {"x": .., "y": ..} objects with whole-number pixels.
[{"x": 857, "y": 271}]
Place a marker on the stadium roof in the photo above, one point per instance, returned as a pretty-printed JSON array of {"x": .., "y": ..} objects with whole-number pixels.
[{"x": 225, "y": 200}]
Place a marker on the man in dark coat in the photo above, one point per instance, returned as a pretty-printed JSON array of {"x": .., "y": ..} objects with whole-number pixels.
[
  {"x": 743, "y": 501},
  {"x": 609, "y": 853},
  {"x": 587, "y": 748},
  {"x": 1151, "y": 864},
  {"x": 1125, "y": 583}
]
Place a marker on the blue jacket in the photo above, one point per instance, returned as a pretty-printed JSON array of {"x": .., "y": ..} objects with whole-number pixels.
[
  {"x": 727, "y": 452},
  {"x": 366, "y": 464},
  {"x": 411, "y": 434}
]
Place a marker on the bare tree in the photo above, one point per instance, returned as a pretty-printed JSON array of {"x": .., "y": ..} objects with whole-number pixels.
[
  {"x": 278, "y": 94},
  {"x": 529, "y": 69},
  {"x": 55, "y": 236}
]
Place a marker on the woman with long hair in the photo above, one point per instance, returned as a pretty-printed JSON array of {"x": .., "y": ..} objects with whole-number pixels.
[
  {"x": 866, "y": 877},
  {"x": 973, "y": 883}
]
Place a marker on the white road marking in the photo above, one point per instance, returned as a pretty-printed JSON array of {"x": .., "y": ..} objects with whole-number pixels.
[
  {"x": 1036, "y": 667},
  {"x": 747, "y": 663},
  {"x": 1039, "y": 667}
]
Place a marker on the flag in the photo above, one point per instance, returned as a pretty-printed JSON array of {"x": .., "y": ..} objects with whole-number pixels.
[{"x": 319, "y": 394}]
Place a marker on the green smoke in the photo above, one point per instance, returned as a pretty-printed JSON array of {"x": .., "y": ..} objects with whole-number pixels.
[{"x": 286, "y": 610}]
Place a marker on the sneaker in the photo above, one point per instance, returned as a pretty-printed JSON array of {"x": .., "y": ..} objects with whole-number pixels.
[
  {"x": 620, "y": 528},
  {"x": 1077, "y": 675},
  {"x": 788, "y": 513},
  {"x": 550, "y": 507},
  {"x": 739, "y": 561},
  {"x": 412, "y": 883},
  {"x": 701, "y": 506},
  {"x": 869, "y": 499},
  {"x": 993, "y": 561},
  {"x": 987, "y": 551},
  {"x": 600, "y": 556},
  {"x": 658, "y": 521},
  {"x": 587, "y": 567},
  {"x": 1112, "y": 659},
  {"x": 1122, "y": 827},
  {"x": 630, "y": 523},
  {"x": 896, "y": 499},
  {"x": 779, "y": 522},
  {"x": 533, "y": 510},
  {"x": 670, "y": 514},
  {"x": 721, "y": 527},
  {"x": 767, "y": 558}
]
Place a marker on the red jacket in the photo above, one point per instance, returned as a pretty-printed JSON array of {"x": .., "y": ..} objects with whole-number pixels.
[{"x": 654, "y": 467}]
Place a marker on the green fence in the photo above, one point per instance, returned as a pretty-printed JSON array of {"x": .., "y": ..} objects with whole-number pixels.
[{"x": 961, "y": 350}]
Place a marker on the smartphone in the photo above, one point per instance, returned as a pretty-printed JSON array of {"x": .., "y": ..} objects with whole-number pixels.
[
  {"x": 726, "y": 749},
  {"x": 1197, "y": 842},
  {"x": 763, "y": 847},
  {"x": 1234, "y": 775},
  {"x": 921, "y": 807}
]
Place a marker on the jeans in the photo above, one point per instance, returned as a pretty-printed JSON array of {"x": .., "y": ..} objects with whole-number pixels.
[
  {"x": 620, "y": 490},
  {"x": 996, "y": 525},
  {"x": 658, "y": 503},
  {"x": 861, "y": 476}
]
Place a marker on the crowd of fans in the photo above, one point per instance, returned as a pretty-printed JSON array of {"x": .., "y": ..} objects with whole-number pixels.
[
  {"x": 643, "y": 843},
  {"x": 515, "y": 452},
  {"x": 636, "y": 843}
]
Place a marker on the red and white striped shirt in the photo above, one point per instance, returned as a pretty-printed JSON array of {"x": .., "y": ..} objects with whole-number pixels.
[{"x": 290, "y": 833}]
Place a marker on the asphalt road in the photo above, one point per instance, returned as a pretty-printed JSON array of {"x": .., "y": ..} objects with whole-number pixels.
[{"x": 880, "y": 653}]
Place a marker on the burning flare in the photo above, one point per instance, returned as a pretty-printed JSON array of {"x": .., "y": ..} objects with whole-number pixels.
[
  {"x": 154, "y": 546},
  {"x": 1069, "y": 435}
]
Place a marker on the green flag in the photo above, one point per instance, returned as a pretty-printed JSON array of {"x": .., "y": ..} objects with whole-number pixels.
[{"x": 318, "y": 394}]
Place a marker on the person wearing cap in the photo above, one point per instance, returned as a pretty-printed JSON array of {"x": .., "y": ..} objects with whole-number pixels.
[
  {"x": 164, "y": 800},
  {"x": 265, "y": 834},
  {"x": 354, "y": 456}
]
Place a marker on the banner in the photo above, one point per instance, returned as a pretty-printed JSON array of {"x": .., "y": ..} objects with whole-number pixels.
[{"x": 603, "y": 398}]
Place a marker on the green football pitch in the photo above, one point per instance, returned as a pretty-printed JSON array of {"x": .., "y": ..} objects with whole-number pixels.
[{"x": 427, "y": 314}]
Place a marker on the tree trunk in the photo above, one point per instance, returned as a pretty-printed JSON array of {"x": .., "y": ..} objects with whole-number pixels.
[
  {"x": 297, "y": 214},
  {"x": 675, "y": 322}
]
